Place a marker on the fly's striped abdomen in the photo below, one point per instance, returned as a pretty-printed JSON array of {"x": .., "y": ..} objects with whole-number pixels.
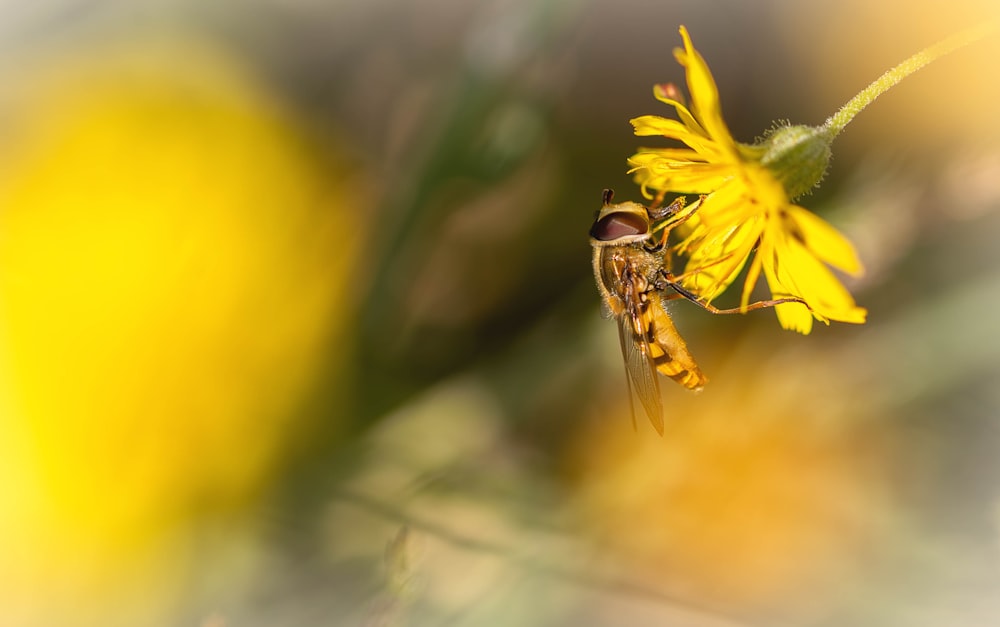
[{"x": 667, "y": 349}]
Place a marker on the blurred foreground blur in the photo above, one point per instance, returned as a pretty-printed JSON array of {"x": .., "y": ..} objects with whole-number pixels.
[
  {"x": 172, "y": 272},
  {"x": 297, "y": 325}
]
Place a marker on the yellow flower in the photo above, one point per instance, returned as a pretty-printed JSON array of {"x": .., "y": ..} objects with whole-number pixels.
[{"x": 745, "y": 212}]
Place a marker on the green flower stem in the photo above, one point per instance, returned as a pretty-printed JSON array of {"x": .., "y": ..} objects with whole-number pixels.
[{"x": 836, "y": 123}]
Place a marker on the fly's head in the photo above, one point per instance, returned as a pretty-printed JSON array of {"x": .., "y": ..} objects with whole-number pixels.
[{"x": 620, "y": 224}]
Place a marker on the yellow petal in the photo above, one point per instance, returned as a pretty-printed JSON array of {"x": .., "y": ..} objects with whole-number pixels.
[
  {"x": 656, "y": 172},
  {"x": 826, "y": 242},
  {"x": 682, "y": 111},
  {"x": 753, "y": 273},
  {"x": 672, "y": 129},
  {"x": 670, "y": 154},
  {"x": 704, "y": 93},
  {"x": 791, "y": 316},
  {"x": 658, "y": 125},
  {"x": 794, "y": 317},
  {"x": 732, "y": 203},
  {"x": 719, "y": 256},
  {"x": 792, "y": 270},
  {"x": 678, "y": 184}
]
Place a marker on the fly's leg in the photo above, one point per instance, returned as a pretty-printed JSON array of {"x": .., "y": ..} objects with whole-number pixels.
[
  {"x": 660, "y": 217},
  {"x": 668, "y": 218},
  {"x": 657, "y": 201},
  {"x": 667, "y": 280}
]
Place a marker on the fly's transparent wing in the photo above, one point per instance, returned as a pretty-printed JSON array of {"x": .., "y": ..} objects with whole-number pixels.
[{"x": 633, "y": 331}]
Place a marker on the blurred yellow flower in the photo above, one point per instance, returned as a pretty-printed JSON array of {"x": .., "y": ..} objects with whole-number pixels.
[
  {"x": 745, "y": 209},
  {"x": 765, "y": 494},
  {"x": 172, "y": 270}
]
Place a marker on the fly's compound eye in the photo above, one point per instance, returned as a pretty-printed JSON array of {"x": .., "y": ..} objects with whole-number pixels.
[{"x": 619, "y": 225}]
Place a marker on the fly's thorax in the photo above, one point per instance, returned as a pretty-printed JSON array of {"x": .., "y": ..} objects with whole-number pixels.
[
  {"x": 608, "y": 273},
  {"x": 623, "y": 270}
]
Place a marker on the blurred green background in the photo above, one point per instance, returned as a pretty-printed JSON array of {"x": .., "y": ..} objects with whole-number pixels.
[{"x": 298, "y": 327}]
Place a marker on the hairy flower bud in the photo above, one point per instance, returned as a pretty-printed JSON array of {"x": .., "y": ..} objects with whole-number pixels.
[{"x": 797, "y": 156}]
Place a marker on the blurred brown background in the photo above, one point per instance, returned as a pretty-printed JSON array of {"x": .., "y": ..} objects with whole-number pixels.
[{"x": 297, "y": 325}]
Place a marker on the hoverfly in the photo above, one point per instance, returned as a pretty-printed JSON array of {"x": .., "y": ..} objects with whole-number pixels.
[
  {"x": 630, "y": 274},
  {"x": 633, "y": 278}
]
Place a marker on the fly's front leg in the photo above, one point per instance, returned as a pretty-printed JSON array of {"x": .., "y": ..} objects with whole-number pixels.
[
  {"x": 662, "y": 216},
  {"x": 658, "y": 213},
  {"x": 659, "y": 218},
  {"x": 657, "y": 201},
  {"x": 668, "y": 259}
]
